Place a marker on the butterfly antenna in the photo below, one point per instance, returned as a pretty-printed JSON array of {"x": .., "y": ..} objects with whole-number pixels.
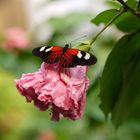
[
  {"x": 70, "y": 43},
  {"x": 78, "y": 38}
]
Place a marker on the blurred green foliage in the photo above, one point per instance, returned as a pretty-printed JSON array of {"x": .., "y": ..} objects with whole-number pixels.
[
  {"x": 114, "y": 85},
  {"x": 120, "y": 79},
  {"x": 121, "y": 75}
]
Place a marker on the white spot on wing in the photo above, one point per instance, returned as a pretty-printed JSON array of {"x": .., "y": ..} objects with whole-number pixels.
[
  {"x": 42, "y": 48},
  {"x": 48, "y": 49},
  {"x": 87, "y": 56},
  {"x": 79, "y": 54}
]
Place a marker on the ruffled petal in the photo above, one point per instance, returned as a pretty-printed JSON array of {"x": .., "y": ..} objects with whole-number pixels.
[{"x": 61, "y": 89}]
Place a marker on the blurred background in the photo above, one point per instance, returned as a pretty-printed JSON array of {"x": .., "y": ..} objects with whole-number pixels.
[{"x": 25, "y": 24}]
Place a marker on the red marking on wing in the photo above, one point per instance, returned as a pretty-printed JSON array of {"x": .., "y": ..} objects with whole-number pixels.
[
  {"x": 72, "y": 51},
  {"x": 53, "y": 58},
  {"x": 68, "y": 56},
  {"x": 57, "y": 49},
  {"x": 66, "y": 59},
  {"x": 55, "y": 54}
]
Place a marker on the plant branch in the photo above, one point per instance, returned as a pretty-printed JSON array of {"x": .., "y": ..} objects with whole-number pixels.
[
  {"x": 107, "y": 25},
  {"x": 138, "y": 6},
  {"x": 129, "y": 8}
]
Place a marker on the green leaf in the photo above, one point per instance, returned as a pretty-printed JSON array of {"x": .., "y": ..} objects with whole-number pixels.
[
  {"x": 122, "y": 22},
  {"x": 84, "y": 46},
  {"x": 105, "y": 16},
  {"x": 131, "y": 3},
  {"x": 112, "y": 78},
  {"x": 129, "y": 91},
  {"x": 127, "y": 22},
  {"x": 115, "y": 4}
]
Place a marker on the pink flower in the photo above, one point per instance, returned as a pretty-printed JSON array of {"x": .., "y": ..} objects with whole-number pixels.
[
  {"x": 15, "y": 37},
  {"x": 62, "y": 89}
]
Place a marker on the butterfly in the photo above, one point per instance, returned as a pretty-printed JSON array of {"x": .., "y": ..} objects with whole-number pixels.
[{"x": 67, "y": 57}]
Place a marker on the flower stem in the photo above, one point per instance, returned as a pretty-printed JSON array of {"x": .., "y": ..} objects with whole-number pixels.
[
  {"x": 107, "y": 25},
  {"x": 136, "y": 13}
]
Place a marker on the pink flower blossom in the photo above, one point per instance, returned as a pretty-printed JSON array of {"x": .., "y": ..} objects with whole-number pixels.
[
  {"x": 15, "y": 37},
  {"x": 61, "y": 89}
]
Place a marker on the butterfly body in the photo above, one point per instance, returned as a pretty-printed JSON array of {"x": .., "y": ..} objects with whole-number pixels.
[{"x": 67, "y": 57}]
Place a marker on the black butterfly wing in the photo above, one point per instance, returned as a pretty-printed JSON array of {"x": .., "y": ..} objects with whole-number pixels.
[
  {"x": 73, "y": 57},
  {"x": 48, "y": 54},
  {"x": 84, "y": 58}
]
